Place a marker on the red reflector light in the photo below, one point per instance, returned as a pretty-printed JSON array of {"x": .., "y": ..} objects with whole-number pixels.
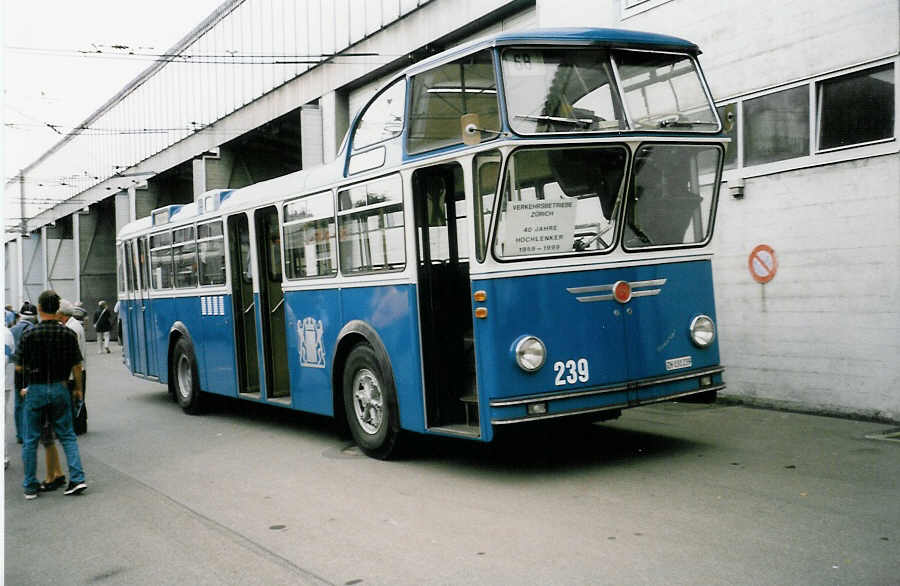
[{"x": 622, "y": 292}]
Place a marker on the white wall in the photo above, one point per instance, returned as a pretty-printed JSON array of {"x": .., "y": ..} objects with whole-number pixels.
[
  {"x": 824, "y": 334},
  {"x": 753, "y": 44}
]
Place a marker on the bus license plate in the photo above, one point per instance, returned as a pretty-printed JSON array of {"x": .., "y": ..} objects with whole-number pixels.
[{"x": 676, "y": 363}]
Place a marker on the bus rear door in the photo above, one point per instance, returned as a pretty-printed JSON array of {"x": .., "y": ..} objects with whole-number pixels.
[
  {"x": 244, "y": 305},
  {"x": 271, "y": 303}
]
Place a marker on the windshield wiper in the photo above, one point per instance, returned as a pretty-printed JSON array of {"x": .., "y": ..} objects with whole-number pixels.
[
  {"x": 674, "y": 122},
  {"x": 583, "y": 122}
]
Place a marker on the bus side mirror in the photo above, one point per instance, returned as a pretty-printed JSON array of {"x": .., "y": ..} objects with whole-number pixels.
[{"x": 471, "y": 133}]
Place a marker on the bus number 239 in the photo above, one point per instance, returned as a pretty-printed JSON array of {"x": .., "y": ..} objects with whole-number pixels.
[{"x": 571, "y": 372}]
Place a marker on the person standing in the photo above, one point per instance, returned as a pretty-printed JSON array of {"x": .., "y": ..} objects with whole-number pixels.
[
  {"x": 47, "y": 355},
  {"x": 9, "y": 348},
  {"x": 27, "y": 320},
  {"x": 102, "y": 323},
  {"x": 67, "y": 312}
]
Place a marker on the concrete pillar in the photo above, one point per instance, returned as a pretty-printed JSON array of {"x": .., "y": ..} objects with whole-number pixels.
[
  {"x": 97, "y": 254},
  {"x": 60, "y": 256},
  {"x": 334, "y": 109},
  {"x": 311, "y": 136},
  {"x": 45, "y": 273},
  {"x": 124, "y": 202},
  {"x": 132, "y": 203},
  {"x": 198, "y": 168},
  {"x": 20, "y": 260},
  {"x": 12, "y": 271},
  {"x": 220, "y": 169},
  {"x": 76, "y": 255},
  {"x": 145, "y": 200},
  {"x": 32, "y": 267}
]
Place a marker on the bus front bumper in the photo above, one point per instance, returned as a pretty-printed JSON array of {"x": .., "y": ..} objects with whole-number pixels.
[{"x": 607, "y": 398}]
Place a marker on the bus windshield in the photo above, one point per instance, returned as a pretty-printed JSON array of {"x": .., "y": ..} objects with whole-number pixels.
[
  {"x": 671, "y": 199},
  {"x": 560, "y": 201},
  {"x": 574, "y": 90},
  {"x": 663, "y": 91}
]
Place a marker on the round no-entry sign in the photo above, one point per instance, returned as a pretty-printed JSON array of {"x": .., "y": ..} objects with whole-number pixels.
[{"x": 762, "y": 263}]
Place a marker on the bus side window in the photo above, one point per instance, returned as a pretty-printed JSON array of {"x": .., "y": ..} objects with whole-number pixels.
[
  {"x": 273, "y": 243},
  {"x": 211, "y": 253},
  {"x": 442, "y": 95},
  {"x": 383, "y": 117},
  {"x": 161, "y": 275},
  {"x": 487, "y": 174},
  {"x": 309, "y": 237},
  {"x": 120, "y": 268},
  {"x": 184, "y": 253},
  {"x": 371, "y": 234}
]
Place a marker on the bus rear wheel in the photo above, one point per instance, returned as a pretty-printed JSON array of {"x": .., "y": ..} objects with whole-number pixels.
[
  {"x": 370, "y": 404},
  {"x": 185, "y": 382}
]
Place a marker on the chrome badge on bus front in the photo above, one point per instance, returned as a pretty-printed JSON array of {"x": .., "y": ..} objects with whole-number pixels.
[{"x": 637, "y": 289}]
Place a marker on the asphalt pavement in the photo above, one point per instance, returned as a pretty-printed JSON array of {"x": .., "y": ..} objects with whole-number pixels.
[{"x": 668, "y": 494}]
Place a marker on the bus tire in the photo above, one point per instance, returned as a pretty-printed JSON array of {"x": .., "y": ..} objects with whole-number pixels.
[
  {"x": 185, "y": 380},
  {"x": 370, "y": 404}
]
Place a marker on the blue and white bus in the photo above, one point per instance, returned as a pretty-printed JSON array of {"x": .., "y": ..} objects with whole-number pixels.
[{"x": 514, "y": 230}]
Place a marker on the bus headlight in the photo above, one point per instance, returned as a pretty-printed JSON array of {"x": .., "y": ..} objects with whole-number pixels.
[
  {"x": 530, "y": 353},
  {"x": 703, "y": 331}
]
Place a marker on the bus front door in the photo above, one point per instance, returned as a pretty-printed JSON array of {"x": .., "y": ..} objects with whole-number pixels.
[
  {"x": 244, "y": 304},
  {"x": 271, "y": 303},
  {"x": 445, "y": 304}
]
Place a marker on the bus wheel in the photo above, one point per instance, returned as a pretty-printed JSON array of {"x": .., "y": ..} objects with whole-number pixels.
[
  {"x": 184, "y": 377},
  {"x": 370, "y": 404}
]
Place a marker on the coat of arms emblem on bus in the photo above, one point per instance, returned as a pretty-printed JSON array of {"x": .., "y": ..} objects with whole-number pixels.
[{"x": 309, "y": 342}]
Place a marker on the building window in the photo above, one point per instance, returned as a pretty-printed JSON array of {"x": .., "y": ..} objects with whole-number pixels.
[
  {"x": 856, "y": 108},
  {"x": 776, "y": 126}
]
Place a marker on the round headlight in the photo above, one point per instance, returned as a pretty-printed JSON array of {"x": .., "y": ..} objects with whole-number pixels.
[
  {"x": 530, "y": 353},
  {"x": 703, "y": 331}
]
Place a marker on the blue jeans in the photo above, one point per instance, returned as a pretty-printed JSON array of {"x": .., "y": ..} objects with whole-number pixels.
[
  {"x": 58, "y": 399},
  {"x": 17, "y": 412}
]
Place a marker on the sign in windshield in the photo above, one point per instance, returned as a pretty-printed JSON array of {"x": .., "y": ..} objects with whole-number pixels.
[{"x": 560, "y": 201}]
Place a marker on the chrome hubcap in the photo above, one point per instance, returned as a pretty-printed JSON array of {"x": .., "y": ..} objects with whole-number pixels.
[
  {"x": 368, "y": 401},
  {"x": 185, "y": 377}
]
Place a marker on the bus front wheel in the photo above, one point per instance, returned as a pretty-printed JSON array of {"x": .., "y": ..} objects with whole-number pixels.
[
  {"x": 370, "y": 404},
  {"x": 184, "y": 377}
]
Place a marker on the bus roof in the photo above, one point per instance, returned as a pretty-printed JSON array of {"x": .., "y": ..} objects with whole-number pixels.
[{"x": 597, "y": 36}]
